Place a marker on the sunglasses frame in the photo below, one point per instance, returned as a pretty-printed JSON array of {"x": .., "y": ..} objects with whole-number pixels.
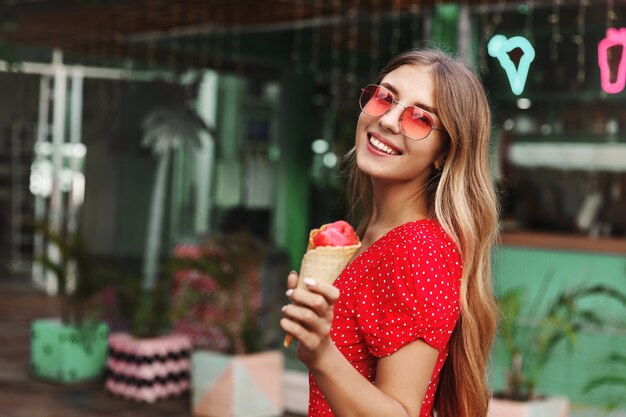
[{"x": 393, "y": 104}]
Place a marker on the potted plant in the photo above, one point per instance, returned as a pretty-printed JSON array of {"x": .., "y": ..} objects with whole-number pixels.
[
  {"x": 530, "y": 343},
  {"x": 217, "y": 301},
  {"x": 71, "y": 348},
  {"x": 145, "y": 365},
  {"x": 615, "y": 377},
  {"x": 145, "y": 362}
]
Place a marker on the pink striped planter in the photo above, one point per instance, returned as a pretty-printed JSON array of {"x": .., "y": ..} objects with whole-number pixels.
[{"x": 147, "y": 369}]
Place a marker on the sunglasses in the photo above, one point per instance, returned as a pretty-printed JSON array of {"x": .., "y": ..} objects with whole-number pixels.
[{"x": 415, "y": 123}]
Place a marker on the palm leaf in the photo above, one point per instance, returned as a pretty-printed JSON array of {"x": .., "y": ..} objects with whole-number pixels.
[
  {"x": 165, "y": 129},
  {"x": 510, "y": 305},
  {"x": 617, "y": 358},
  {"x": 62, "y": 242},
  {"x": 57, "y": 268},
  {"x": 562, "y": 322},
  {"x": 590, "y": 317},
  {"x": 603, "y": 381},
  {"x": 169, "y": 128}
]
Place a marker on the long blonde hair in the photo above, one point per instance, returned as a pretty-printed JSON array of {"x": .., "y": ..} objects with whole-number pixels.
[{"x": 462, "y": 199}]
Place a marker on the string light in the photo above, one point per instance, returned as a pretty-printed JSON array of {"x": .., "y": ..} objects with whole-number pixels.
[
  {"x": 151, "y": 52},
  {"x": 497, "y": 16},
  {"x": 296, "y": 58},
  {"x": 396, "y": 31},
  {"x": 579, "y": 40},
  {"x": 131, "y": 50},
  {"x": 100, "y": 35},
  {"x": 614, "y": 37},
  {"x": 205, "y": 40},
  {"x": 172, "y": 43},
  {"x": 555, "y": 21},
  {"x": 610, "y": 14},
  {"x": 336, "y": 56},
  {"x": 117, "y": 52},
  {"x": 315, "y": 38},
  {"x": 415, "y": 11},
  {"x": 237, "y": 35},
  {"x": 220, "y": 39},
  {"x": 528, "y": 21},
  {"x": 353, "y": 38},
  {"x": 191, "y": 57},
  {"x": 375, "y": 38},
  {"x": 489, "y": 26},
  {"x": 149, "y": 17},
  {"x": 487, "y": 32}
]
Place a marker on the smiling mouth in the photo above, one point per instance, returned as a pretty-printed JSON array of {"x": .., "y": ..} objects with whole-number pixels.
[{"x": 379, "y": 146}]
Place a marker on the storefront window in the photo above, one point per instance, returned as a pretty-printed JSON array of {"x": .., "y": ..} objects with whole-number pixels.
[{"x": 560, "y": 156}]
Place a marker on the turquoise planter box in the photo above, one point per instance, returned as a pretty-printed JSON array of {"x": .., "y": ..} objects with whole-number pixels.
[{"x": 68, "y": 354}]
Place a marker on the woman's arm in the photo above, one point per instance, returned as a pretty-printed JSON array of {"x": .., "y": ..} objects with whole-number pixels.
[{"x": 401, "y": 378}]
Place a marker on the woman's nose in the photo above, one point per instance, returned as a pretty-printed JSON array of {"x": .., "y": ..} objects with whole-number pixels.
[{"x": 391, "y": 119}]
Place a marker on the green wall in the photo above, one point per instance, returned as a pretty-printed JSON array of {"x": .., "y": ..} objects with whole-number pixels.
[
  {"x": 291, "y": 219},
  {"x": 542, "y": 274}
]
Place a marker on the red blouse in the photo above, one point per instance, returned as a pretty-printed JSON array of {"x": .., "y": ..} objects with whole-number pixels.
[{"x": 404, "y": 287}]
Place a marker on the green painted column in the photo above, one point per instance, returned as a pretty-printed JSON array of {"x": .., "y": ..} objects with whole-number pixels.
[
  {"x": 291, "y": 221},
  {"x": 229, "y": 171},
  {"x": 444, "y": 30}
]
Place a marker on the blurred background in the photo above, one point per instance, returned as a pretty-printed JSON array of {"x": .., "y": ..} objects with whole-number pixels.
[{"x": 152, "y": 152}]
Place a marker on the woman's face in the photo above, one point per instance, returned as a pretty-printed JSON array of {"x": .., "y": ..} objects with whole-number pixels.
[{"x": 410, "y": 160}]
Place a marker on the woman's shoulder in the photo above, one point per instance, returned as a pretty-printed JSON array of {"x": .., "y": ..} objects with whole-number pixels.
[
  {"x": 410, "y": 241},
  {"x": 422, "y": 239},
  {"x": 422, "y": 231}
]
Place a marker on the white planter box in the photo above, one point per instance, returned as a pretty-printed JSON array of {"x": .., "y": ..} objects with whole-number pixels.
[
  {"x": 237, "y": 385},
  {"x": 296, "y": 388},
  {"x": 548, "y": 407}
]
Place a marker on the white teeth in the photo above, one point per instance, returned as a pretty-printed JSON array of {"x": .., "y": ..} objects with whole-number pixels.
[{"x": 381, "y": 146}]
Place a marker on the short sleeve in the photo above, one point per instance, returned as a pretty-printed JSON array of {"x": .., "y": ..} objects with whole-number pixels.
[{"x": 413, "y": 293}]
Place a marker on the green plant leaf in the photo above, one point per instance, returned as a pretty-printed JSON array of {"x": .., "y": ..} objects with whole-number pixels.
[
  {"x": 603, "y": 381},
  {"x": 562, "y": 322},
  {"x": 617, "y": 358}
]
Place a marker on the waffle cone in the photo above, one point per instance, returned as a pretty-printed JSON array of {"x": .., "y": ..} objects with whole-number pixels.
[{"x": 323, "y": 264}]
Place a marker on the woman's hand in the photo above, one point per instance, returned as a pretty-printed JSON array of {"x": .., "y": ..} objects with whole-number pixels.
[{"x": 309, "y": 317}]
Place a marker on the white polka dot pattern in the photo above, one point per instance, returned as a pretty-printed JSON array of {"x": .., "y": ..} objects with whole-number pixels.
[{"x": 404, "y": 287}]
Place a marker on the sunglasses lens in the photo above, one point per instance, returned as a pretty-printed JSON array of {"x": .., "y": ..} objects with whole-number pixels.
[
  {"x": 375, "y": 101},
  {"x": 416, "y": 123}
]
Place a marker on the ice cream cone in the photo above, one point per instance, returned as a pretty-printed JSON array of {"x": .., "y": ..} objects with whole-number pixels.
[{"x": 323, "y": 264}]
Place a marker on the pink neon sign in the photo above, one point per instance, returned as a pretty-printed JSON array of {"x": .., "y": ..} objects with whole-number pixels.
[{"x": 614, "y": 37}]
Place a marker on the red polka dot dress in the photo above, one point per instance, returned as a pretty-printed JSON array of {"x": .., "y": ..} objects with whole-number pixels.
[{"x": 404, "y": 287}]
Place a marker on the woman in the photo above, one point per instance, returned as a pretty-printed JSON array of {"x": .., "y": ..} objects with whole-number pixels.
[{"x": 407, "y": 327}]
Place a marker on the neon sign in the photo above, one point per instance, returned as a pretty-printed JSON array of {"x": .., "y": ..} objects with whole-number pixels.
[
  {"x": 499, "y": 47},
  {"x": 614, "y": 37}
]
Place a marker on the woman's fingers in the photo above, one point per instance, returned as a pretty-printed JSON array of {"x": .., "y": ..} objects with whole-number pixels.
[
  {"x": 319, "y": 297},
  {"x": 308, "y": 339},
  {"x": 292, "y": 279},
  {"x": 307, "y": 318},
  {"x": 328, "y": 291}
]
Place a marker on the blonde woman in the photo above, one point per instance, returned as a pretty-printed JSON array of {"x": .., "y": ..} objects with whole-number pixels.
[{"x": 407, "y": 327}]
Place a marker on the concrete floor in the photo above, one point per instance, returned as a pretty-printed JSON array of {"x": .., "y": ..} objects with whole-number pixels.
[{"x": 23, "y": 396}]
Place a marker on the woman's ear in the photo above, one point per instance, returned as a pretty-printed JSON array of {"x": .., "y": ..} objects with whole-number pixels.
[{"x": 440, "y": 162}]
